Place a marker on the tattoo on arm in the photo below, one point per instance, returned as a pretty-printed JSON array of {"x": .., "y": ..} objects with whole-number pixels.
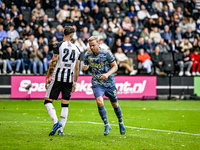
[{"x": 52, "y": 64}]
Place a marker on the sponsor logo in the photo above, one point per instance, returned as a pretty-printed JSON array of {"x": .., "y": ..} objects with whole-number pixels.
[{"x": 122, "y": 88}]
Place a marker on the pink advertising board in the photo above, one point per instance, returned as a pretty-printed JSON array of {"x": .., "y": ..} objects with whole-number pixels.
[{"x": 128, "y": 87}]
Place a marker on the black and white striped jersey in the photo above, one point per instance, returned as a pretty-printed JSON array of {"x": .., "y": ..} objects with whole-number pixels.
[{"x": 68, "y": 54}]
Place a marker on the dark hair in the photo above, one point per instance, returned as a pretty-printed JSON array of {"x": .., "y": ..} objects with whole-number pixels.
[{"x": 68, "y": 30}]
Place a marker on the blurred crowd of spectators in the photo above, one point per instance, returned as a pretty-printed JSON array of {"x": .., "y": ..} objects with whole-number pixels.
[{"x": 147, "y": 29}]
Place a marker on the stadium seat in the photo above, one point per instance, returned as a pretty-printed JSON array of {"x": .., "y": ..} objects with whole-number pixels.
[
  {"x": 26, "y": 15},
  {"x": 54, "y": 23},
  {"x": 176, "y": 58},
  {"x": 168, "y": 62},
  {"x": 51, "y": 14},
  {"x": 180, "y": 4},
  {"x": 111, "y": 6}
]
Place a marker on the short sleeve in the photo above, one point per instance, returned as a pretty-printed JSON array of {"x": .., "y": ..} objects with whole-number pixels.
[
  {"x": 86, "y": 59},
  {"x": 56, "y": 49},
  {"x": 110, "y": 57}
]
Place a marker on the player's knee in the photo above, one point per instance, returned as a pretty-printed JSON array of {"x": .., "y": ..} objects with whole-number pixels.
[
  {"x": 99, "y": 101},
  {"x": 115, "y": 104}
]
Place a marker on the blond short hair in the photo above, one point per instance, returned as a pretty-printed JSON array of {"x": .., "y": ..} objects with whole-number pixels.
[{"x": 92, "y": 38}]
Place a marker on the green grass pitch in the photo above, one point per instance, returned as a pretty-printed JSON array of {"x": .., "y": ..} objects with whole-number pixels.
[{"x": 150, "y": 125}]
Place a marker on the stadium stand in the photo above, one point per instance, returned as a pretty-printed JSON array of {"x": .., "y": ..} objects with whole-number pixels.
[{"x": 143, "y": 15}]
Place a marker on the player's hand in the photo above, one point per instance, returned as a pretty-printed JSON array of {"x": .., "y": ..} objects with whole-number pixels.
[
  {"x": 104, "y": 77},
  {"x": 85, "y": 67},
  {"x": 47, "y": 82},
  {"x": 73, "y": 88}
]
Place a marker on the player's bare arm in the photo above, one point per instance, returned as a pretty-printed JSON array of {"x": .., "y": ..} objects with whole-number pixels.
[
  {"x": 111, "y": 71},
  {"x": 76, "y": 73},
  {"x": 52, "y": 66}
]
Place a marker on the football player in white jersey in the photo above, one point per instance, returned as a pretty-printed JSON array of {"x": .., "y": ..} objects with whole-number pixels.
[{"x": 63, "y": 67}]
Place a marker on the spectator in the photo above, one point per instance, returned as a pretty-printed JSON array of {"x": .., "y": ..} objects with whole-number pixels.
[
  {"x": 96, "y": 14},
  {"x": 67, "y": 22},
  {"x": 5, "y": 44},
  {"x": 24, "y": 34},
  {"x": 84, "y": 35},
  {"x": 118, "y": 43},
  {"x": 3, "y": 33},
  {"x": 3, "y": 62},
  {"x": 160, "y": 24},
  {"x": 12, "y": 34},
  {"x": 149, "y": 46},
  {"x": 80, "y": 24},
  {"x": 41, "y": 43},
  {"x": 143, "y": 13},
  {"x": 30, "y": 42},
  {"x": 163, "y": 46},
  {"x": 145, "y": 59},
  {"x": 46, "y": 25},
  {"x": 39, "y": 33},
  {"x": 51, "y": 43},
  {"x": 59, "y": 33},
  {"x": 63, "y": 13},
  {"x": 178, "y": 36},
  {"x": 126, "y": 23},
  {"x": 85, "y": 14},
  {"x": 157, "y": 6},
  {"x": 127, "y": 46},
  {"x": 137, "y": 24},
  {"x": 99, "y": 32},
  {"x": 114, "y": 25},
  {"x": 178, "y": 15},
  {"x": 155, "y": 35},
  {"x": 145, "y": 34},
  {"x": 81, "y": 4},
  {"x": 120, "y": 34},
  {"x": 20, "y": 23},
  {"x": 147, "y": 5},
  {"x": 102, "y": 44},
  {"x": 132, "y": 34},
  {"x": 170, "y": 4},
  {"x": 166, "y": 14},
  {"x": 119, "y": 14},
  {"x": 185, "y": 45},
  {"x": 25, "y": 59},
  {"x": 158, "y": 61},
  {"x": 37, "y": 57},
  {"x": 11, "y": 58},
  {"x": 195, "y": 57},
  {"x": 91, "y": 25},
  {"x": 4, "y": 10},
  {"x": 167, "y": 35},
  {"x": 124, "y": 61},
  {"x": 33, "y": 23},
  {"x": 183, "y": 25},
  {"x": 136, "y": 4},
  {"x": 139, "y": 44},
  {"x": 76, "y": 34},
  {"x": 131, "y": 13},
  {"x": 26, "y": 4},
  {"x": 75, "y": 14},
  {"x": 7, "y": 22},
  {"x": 149, "y": 23},
  {"x": 17, "y": 45},
  {"x": 104, "y": 24},
  {"x": 46, "y": 57},
  {"x": 38, "y": 11},
  {"x": 14, "y": 11},
  {"x": 190, "y": 35},
  {"x": 185, "y": 62},
  {"x": 192, "y": 24},
  {"x": 110, "y": 37},
  {"x": 124, "y": 6},
  {"x": 51, "y": 34}
]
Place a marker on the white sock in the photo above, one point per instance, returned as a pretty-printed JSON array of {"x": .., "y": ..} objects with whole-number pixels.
[
  {"x": 52, "y": 112},
  {"x": 63, "y": 117}
]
